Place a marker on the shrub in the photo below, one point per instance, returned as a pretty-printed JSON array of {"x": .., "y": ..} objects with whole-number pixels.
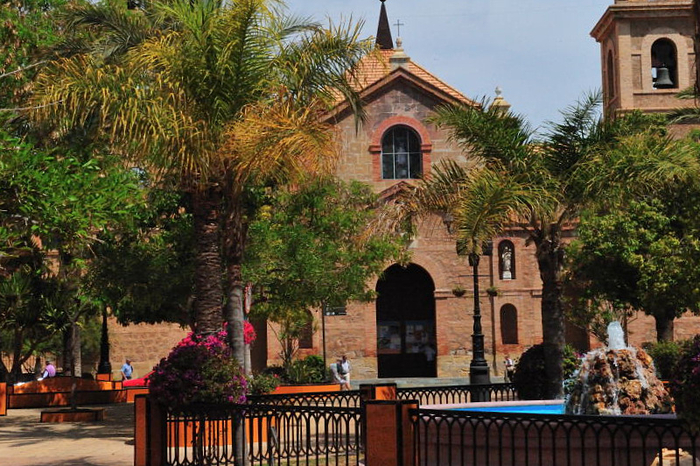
[
  {"x": 666, "y": 355},
  {"x": 262, "y": 384},
  {"x": 685, "y": 384},
  {"x": 198, "y": 370},
  {"x": 529, "y": 377},
  {"x": 308, "y": 370},
  {"x": 300, "y": 371}
]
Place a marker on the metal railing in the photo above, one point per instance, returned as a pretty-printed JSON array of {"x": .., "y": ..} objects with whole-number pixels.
[
  {"x": 455, "y": 394},
  {"x": 263, "y": 435},
  {"x": 447, "y": 394},
  {"x": 451, "y": 438},
  {"x": 343, "y": 399}
]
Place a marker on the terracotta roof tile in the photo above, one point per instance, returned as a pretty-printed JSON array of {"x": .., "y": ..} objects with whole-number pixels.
[{"x": 376, "y": 67}]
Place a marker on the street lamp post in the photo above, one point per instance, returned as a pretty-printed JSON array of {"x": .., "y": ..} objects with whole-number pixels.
[
  {"x": 478, "y": 368},
  {"x": 104, "y": 367}
]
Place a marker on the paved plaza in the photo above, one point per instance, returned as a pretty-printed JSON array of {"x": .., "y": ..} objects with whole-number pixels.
[{"x": 24, "y": 441}]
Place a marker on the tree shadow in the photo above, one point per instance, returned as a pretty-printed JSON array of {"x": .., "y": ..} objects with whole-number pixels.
[{"x": 23, "y": 427}]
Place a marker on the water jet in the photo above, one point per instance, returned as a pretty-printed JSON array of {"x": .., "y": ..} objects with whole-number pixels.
[{"x": 616, "y": 380}]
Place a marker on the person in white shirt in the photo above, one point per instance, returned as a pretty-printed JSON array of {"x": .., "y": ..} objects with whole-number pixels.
[
  {"x": 345, "y": 369},
  {"x": 339, "y": 374},
  {"x": 510, "y": 368}
]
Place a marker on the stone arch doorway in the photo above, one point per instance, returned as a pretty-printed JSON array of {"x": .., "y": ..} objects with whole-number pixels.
[{"x": 406, "y": 345}]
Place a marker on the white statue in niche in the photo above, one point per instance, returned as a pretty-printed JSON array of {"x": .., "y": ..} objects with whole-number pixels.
[{"x": 507, "y": 261}]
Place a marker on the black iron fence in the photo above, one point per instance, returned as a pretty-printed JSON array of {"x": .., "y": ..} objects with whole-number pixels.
[
  {"x": 342, "y": 399},
  {"x": 262, "y": 435},
  {"x": 328, "y": 429},
  {"x": 447, "y": 394},
  {"x": 451, "y": 438},
  {"x": 456, "y": 394}
]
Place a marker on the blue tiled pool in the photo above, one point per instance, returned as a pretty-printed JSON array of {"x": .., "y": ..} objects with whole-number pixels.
[{"x": 529, "y": 409}]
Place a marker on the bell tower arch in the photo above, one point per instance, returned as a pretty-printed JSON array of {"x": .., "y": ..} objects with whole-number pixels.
[{"x": 647, "y": 55}]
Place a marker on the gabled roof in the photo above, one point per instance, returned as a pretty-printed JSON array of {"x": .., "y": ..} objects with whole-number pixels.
[
  {"x": 375, "y": 72},
  {"x": 393, "y": 191}
]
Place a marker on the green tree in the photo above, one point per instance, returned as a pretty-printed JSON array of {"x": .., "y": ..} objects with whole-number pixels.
[
  {"x": 28, "y": 29},
  {"x": 30, "y": 317},
  {"x": 173, "y": 98},
  {"x": 144, "y": 271},
  {"x": 313, "y": 246},
  {"x": 542, "y": 185},
  {"x": 63, "y": 200},
  {"x": 643, "y": 257}
]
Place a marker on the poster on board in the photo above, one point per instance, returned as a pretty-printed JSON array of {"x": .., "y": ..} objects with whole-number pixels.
[{"x": 389, "y": 337}]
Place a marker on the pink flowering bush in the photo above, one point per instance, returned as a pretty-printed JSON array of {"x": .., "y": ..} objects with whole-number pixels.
[
  {"x": 685, "y": 385},
  {"x": 249, "y": 334},
  {"x": 198, "y": 370}
]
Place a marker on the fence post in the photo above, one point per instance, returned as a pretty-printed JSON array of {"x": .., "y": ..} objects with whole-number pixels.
[
  {"x": 389, "y": 432},
  {"x": 140, "y": 430},
  {"x": 3, "y": 399},
  {"x": 157, "y": 434},
  {"x": 380, "y": 391}
]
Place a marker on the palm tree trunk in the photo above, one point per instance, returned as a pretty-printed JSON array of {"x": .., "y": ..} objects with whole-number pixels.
[
  {"x": 234, "y": 242},
  {"x": 550, "y": 257},
  {"x": 234, "y": 315},
  {"x": 208, "y": 270}
]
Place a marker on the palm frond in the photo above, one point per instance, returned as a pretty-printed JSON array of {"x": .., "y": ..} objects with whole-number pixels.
[
  {"x": 688, "y": 93},
  {"x": 440, "y": 191},
  {"x": 493, "y": 201},
  {"x": 685, "y": 115},
  {"x": 116, "y": 28},
  {"x": 149, "y": 117},
  {"x": 497, "y": 137},
  {"x": 322, "y": 63},
  {"x": 279, "y": 142},
  {"x": 653, "y": 162},
  {"x": 579, "y": 131}
]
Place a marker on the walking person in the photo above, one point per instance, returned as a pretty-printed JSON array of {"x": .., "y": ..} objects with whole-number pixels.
[
  {"x": 345, "y": 370},
  {"x": 127, "y": 370},
  {"x": 338, "y": 377},
  {"x": 510, "y": 368}
]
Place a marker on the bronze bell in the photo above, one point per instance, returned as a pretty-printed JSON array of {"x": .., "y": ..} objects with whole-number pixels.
[{"x": 663, "y": 78}]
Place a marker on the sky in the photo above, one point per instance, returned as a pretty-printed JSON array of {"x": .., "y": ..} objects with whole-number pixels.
[{"x": 539, "y": 52}]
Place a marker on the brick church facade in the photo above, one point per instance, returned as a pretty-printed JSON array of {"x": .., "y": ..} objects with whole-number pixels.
[{"x": 416, "y": 307}]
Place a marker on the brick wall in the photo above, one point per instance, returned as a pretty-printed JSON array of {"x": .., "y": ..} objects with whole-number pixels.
[{"x": 144, "y": 344}]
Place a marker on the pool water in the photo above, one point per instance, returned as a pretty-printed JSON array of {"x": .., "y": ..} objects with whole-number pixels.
[{"x": 529, "y": 409}]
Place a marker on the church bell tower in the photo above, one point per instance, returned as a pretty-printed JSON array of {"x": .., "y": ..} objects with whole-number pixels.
[{"x": 647, "y": 55}]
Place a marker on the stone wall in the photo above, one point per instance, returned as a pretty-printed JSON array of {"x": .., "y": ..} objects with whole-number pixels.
[{"x": 144, "y": 344}]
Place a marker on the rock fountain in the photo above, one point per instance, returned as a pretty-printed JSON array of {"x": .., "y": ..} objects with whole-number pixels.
[{"x": 616, "y": 380}]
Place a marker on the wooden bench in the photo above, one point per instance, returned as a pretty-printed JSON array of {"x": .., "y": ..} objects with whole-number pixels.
[{"x": 56, "y": 391}]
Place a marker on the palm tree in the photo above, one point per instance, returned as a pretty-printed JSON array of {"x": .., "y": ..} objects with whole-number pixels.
[
  {"x": 541, "y": 186},
  {"x": 172, "y": 99}
]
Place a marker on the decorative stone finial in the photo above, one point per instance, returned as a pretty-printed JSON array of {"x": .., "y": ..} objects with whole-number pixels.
[
  {"x": 399, "y": 57},
  {"x": 499, "y": 102}
]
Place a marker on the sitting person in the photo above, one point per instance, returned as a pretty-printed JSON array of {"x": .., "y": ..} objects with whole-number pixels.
[{"x": 49, "y": 370}]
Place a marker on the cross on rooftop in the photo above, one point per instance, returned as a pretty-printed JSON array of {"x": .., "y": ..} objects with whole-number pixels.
[{"x": 398, "y": 25}]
